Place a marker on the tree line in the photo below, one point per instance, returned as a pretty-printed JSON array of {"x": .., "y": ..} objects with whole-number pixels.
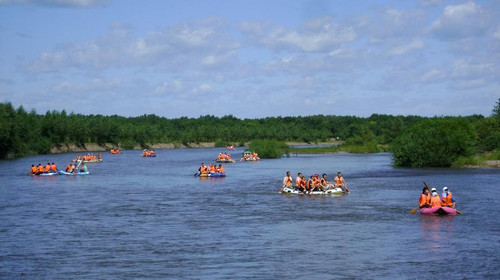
[{"x": 25, "y": 133}]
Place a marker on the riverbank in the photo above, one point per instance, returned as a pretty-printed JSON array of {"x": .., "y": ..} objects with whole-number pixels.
[
  {"x": 483, "y": 161},
  {"x": 93, "y": 147}
]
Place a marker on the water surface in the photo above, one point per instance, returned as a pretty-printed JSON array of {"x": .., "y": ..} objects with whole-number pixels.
[{"x": 150, "y": 218}]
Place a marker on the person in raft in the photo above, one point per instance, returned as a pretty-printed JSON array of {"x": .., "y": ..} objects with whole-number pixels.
[
  {"x": 447, "y": 198},
  {"x": 340, "y": 182},
  {"x": 435, "y": 200},
  {"x": 287, "y": 181},
  {"x": 221, "y": 169},
  {"x": 53, "y": 167},
  {"x": 300, "y": 184},
  {"x": 84, "y": 168},
  {"x": 424, "y": 200}
]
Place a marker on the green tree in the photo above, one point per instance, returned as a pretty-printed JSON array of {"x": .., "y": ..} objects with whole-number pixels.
[{"x": 434, "y": 143}]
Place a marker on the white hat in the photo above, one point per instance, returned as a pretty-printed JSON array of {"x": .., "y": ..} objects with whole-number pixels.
[
  {"x": 445, "y": 189},
  {"x": 433, "y": 190}
]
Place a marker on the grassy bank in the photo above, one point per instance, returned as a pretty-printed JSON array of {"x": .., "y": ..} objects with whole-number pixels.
[
  {"x": 355, "y": 149},
  {"x": 488, "y": 160}
]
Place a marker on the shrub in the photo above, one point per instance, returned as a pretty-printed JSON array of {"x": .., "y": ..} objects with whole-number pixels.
[
  {"x": 436, "y": 142},
  {"x": 269, "y": 148}
]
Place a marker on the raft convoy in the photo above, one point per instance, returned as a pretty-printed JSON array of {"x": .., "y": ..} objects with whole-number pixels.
[{"x": 430, "y": 203}]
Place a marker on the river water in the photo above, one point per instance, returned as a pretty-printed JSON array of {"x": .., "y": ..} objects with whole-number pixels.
[{"x": 150, "y": 218}]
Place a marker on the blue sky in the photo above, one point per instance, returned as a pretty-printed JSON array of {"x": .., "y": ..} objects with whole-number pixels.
[{"x": 251, "y": 59}]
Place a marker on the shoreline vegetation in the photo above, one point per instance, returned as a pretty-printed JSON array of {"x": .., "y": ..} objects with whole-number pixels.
[
  {"x": 485, "y": 160},
  {"x": 414, "y": 141}
]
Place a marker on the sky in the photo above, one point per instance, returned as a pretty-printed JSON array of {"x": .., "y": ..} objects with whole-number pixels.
[{"x": 251, "y": 59}]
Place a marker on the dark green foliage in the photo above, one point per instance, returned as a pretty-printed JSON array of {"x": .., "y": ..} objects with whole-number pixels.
[
  {"x": 496, "y": 110},
  {"x": 436, "y": 142},
  {"x": 23, "y": 133},
  {"x": 269, "y": 148}
]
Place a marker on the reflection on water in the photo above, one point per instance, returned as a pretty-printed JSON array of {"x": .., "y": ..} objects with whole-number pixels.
[{"x": 436, "y": 229}]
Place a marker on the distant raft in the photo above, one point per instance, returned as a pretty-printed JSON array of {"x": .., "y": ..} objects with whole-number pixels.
[
  {"x": 333, "y": 191},
  {"x": 210, "y": 174},
  {"x": 88, "y": 161},
  {"x": 73, "y": 174},
  {"x": 225, "y": 160},
  {"x": 438, "y": 211}
]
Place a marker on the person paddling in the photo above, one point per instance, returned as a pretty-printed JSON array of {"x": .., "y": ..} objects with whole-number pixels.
[
  {"x": 447, "y": 198},
  {"x": 32, "y": 170},
  {"x": 424, "y": 200},
  {"x": 340, "y": 182},
  {"x": 287, "y": 180}
]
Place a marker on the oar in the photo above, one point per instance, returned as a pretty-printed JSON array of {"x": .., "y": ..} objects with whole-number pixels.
[{"x": 459, "y": 212}]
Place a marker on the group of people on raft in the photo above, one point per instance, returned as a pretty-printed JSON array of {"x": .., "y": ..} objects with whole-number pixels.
[
  {"x": 148, "y": 153},
  {"x": 230, "y": 148},
  {"x": 40, "y": 169},
  {"x": 224, "y": 156},
  {"x": 89, "y": 157},
  {"x": 211, "y": 168},
  {"x": 114, "y": 151},
  {"x": 314, "y": 183},
  {"x": 250, "y": 156},
  {"x": 52, "y": 168},
  {"x": 431, "y": 198}
]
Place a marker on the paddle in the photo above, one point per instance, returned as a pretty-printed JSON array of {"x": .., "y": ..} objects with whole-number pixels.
[{"x": 412, "y": 211}]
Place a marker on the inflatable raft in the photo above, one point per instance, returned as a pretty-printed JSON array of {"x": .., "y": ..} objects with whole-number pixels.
[
  {"x": 44, "y": 174},
  {"x": 88, "y": 161},
  {"x": 73, "y": 174},
  {"x": 438, "y": 211},
  {"x": 211, "y": 174},
  {"x": 333, "y": 191},
  {"x": 223, "y": 160}
]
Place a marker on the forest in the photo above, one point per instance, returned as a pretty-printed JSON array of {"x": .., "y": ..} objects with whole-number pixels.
[{"x": 24, "y": 133}]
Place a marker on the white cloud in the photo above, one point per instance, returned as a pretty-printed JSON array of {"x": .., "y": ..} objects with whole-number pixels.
[
  {"x": 433, "y": 76},
  {"x": 461, "y": 21},
  {"x": 406, "y": 48},
  {"x": 202, "y": 43},
  {"x": 314, "y": 36}
]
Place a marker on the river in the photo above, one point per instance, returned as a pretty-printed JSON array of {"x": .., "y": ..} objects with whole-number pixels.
[{"x": 150, "y": 218}]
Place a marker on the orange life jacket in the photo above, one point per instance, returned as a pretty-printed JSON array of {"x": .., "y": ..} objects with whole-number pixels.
[
  {"x": 302, "y": 183},
  {"x": 39, "y": 169},
  {"x": 33, "y": 169},
  {"x": 53, "y": 167},
  {"x": 47, "y": 168},
  {"x": 425, "y": 199},
  {"x": 339, "y": 181},
  {"x": 288, "y": 181},
  {"x": 222, "y": 170},
  {"x": 446, "y": 200},
  {"x": 298, "y": 181},
  {"x": 68, "y": 167},
  {"x": 435, "y": 201}
]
